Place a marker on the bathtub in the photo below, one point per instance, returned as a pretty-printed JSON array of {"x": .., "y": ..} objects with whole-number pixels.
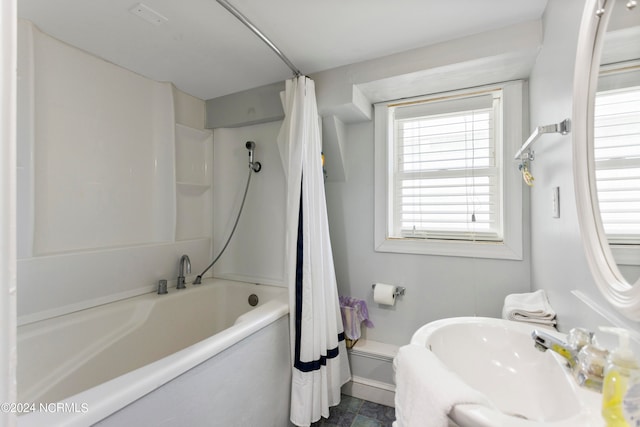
[{"x": 148, "y": 360}]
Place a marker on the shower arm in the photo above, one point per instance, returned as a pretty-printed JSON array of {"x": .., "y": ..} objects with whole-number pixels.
[{"x": 235, "y": 12}]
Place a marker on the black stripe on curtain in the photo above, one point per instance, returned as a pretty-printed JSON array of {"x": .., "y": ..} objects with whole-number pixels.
[{"x": 313, "y": 365}]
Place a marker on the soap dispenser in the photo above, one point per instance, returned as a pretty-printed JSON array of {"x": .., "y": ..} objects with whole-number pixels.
[{"x": 621, "y": 371}]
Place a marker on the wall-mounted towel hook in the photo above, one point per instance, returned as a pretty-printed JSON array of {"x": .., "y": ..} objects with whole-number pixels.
[{"x": 564, "y": 127}]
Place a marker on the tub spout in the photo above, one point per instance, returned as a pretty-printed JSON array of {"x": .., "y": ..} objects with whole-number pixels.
[{"x": 183, "y": 267}]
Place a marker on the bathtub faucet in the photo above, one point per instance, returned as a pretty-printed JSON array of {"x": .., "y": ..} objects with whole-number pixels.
[{"x": 184, "y": 263}]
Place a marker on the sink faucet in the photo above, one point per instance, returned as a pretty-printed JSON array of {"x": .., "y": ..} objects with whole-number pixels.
[
  {"x": 544, "y": 341},
  {"x": 184, "y": 262},
  {"x": 585, "y": 358}
]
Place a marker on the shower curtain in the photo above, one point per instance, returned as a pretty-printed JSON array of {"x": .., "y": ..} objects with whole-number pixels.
[{"x": 318, "y": 351}]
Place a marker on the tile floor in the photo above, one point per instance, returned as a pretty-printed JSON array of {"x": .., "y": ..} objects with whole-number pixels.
[{"x": 354, "y": 412}]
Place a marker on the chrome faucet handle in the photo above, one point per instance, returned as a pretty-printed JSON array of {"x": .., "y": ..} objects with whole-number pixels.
[
  {"x": 589, "y": 371},
  {"x": 580, "y": 337},
  {"x": 162, "y": 287}
]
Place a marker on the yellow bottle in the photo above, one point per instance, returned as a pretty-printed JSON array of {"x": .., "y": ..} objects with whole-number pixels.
[{"x": 621, "y": 365}]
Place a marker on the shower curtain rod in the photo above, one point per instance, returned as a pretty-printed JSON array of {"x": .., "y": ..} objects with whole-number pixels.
[{"x": 235, "y": 12}]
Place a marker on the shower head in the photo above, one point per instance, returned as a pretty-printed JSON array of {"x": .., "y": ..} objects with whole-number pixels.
[
  {"x": 251, "y": 146},
  {"x": 255, "y": 166}
]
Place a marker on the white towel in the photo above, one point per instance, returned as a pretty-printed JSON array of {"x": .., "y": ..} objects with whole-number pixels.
[
  {"x": 532, "y": 307},
  {"x": 426, "y": 390}
]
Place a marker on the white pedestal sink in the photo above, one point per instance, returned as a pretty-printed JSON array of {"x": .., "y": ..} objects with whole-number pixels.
[{"x": 497, "y": 357}]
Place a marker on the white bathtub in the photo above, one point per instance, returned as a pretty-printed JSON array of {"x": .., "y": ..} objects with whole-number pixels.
[{"x": 98, "y": 361}]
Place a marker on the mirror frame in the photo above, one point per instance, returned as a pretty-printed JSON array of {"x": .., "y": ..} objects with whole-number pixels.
[{"x": 614, "y": 287}]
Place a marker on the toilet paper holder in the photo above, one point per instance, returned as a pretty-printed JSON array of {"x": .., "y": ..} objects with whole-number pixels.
[{"x": 399, "y": 290}]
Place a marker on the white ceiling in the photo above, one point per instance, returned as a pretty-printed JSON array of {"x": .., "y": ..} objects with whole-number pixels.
[{"x": 207, "y": 52}]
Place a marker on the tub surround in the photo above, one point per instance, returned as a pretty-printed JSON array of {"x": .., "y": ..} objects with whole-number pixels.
[
  {"x": 47, "y": 281},
  {"x": 256, "y": 252},
  {"x": 114, "y": 180}
]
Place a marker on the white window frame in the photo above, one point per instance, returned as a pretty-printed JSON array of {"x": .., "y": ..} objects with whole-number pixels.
[{"x": 511, "y": 246}]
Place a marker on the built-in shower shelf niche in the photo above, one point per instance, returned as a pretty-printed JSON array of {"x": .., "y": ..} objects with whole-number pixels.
[
  {"x": 191, "y": 188},
  {"x": 192, "y": 162},
  {"x": 194, "y": 156}
]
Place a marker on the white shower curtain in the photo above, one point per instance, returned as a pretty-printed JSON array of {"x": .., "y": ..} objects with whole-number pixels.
[{"x": 318, "y": 350}]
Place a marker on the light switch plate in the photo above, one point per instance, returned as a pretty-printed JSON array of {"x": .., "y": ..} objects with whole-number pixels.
[{"x": 556, "y": 202}]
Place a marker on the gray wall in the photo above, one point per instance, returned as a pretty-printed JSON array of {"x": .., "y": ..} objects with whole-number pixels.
[
  {"x": 436, "y": 286},
  {"x": 558, "y": 263}
]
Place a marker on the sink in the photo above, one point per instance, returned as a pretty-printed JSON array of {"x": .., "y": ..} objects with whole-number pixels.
[{"x": 525, "y": 386}]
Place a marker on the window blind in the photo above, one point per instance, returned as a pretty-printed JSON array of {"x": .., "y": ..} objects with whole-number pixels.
[
  {"x": 446, "y": 176},
  {"x": 617, "y": 160}
]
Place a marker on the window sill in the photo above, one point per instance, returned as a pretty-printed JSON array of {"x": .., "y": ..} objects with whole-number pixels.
[
  {"x": 467, "y": 249},
  {"x": 626, "y": 254}
]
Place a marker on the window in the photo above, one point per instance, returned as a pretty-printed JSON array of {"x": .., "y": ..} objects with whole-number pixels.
[
  {"x": 617, "y": 158},
  {"x": 441, "y": 174},
  {"x": 445, "y": 174}
]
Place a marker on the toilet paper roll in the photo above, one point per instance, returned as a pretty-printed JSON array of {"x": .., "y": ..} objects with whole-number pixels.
[{"x": 384, "y": 294}]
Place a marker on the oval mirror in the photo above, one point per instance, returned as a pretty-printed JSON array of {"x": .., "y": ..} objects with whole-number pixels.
[{"x": 606, "y": 148}]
